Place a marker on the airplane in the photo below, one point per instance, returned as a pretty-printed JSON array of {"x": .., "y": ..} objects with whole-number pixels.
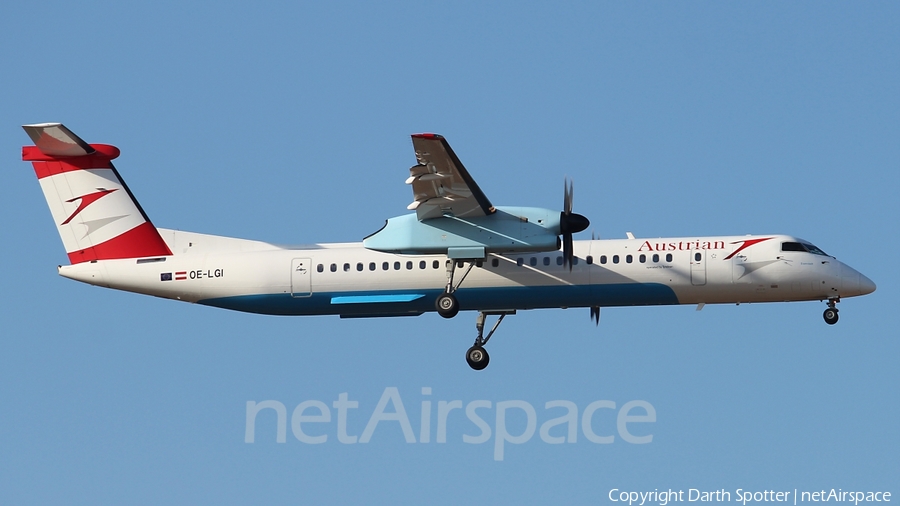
[{"x": 456, "y": 251}]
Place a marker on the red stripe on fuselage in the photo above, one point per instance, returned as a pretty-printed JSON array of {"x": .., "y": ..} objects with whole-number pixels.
[{"x": 141, "y": 241}]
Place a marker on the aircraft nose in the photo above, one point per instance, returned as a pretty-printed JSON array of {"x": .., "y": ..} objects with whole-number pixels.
[
  {"x": 854, "y": 283},
  {"x": 866, "y": 285}
]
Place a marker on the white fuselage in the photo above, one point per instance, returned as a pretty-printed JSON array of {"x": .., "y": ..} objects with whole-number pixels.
[{"x": 349, "y": 280}]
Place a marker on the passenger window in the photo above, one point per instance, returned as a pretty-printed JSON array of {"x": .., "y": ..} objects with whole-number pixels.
[
  {"x": 642, "y": 258},
  {"x": 495, "y": 262},
  {"x": 546, "y": 260},
  {"x": 478, "y": 263},
  {"x": 385, "y": 266},
  {"x": 615, "y": 259},
  {"x": 533, "y": 261},
  {"x": 371, "y": 266},
  {"x": 422, "y": 264},
  {"x": 697, "y": 257},
  {"x": 520, "y": 261},
  {"x": 359, "y": 267},
  {"x": 603, "y": 259},
  {"x": 655, "y": 257},
  {"x": 396, "y": 266},
  {"x": 668, "y": 257},
  {"x": 436, "y": 264},
  {"x": 333, "y": 267},
  {"x": 346, "y": 267},
  {"x": 590, "y": 259},
  {"x": 574, "y": 260},
  {"x": 409, "y": 265},
  {"x": 320, "y": 268},
  {"x": 628, "y": 259},
  {"x": 558, "y": 260}
]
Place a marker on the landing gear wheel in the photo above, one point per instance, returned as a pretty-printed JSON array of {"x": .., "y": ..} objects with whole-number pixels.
[
  {"x": 477, "y": 357},
  {"x": 446, "y": 305},
  {"x": 830, "y": 315}
]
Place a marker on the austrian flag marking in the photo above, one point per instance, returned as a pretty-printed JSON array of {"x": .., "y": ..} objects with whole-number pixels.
[{"x": 180, "y": 275}]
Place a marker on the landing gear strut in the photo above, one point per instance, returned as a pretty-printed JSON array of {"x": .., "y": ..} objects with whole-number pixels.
[
  {"x": 477, "y": 356},
  {"x": 831, "y": 314},
  {"x": 446, "y": 303}
]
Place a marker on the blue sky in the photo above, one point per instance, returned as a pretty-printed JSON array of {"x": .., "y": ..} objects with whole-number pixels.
[{"x": 289, "y": 123}]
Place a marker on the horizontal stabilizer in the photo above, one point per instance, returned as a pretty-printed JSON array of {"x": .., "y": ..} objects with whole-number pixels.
[{"x": 54, "y": 139}]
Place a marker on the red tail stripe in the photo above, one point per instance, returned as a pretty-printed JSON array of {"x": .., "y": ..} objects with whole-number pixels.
[{"x": 141, "y": 241}]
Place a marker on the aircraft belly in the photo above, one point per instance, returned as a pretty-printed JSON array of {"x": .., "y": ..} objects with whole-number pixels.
[{"x": 410, "y": 301}]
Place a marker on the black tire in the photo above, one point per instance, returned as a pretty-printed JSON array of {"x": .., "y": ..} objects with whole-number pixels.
[
  {"x": 830, "y": 315},
  {"x": 446, "y": 305},
  {"x": 477, "y": 358}
]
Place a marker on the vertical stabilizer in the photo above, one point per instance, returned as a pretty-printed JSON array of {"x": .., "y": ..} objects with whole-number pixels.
[{"x": 96, "y": 214}]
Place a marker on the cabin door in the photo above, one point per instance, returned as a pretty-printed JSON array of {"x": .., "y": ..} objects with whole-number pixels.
[
  {"x": 698, "y": 267},
  {"x": 300, "y": 274}
]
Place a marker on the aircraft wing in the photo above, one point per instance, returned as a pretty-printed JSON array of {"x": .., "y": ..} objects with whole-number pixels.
[{"x": 440, "y": 183}]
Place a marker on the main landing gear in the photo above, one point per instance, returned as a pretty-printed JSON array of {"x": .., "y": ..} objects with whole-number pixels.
[
  {"x": 477, "y": 356},
  {"x": 831, "y": 314},
  {"x": 446, "y": 303}
]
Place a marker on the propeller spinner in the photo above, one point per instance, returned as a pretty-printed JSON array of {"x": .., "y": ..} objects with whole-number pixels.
[{"x": 570, "y": 223}]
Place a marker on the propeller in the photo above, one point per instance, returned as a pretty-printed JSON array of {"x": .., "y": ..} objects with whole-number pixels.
[
  {"x": 595, "y": 314},
  {"x": 570, "y": 223}
]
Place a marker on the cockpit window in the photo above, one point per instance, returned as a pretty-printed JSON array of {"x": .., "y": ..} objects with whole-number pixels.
[
  {"x": 799, "y": 246},
  {"x": 814, "y": 250},
  {"x": 792, "y": 246}
]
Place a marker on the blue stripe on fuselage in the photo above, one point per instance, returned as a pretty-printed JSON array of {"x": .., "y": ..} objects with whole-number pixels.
[
  {"x": 394, "y": 302},
  {"x": 376, "y": 299}
]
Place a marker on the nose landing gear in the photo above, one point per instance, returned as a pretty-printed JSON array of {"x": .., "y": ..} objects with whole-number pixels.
[
  {"x": 831, "y": 314},
  {"x": 477, "y": 357}
]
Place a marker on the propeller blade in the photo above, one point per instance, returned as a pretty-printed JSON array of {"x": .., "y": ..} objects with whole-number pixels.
[
  {"x": 595, "y": 314},
  {"x": 569, "y": 223},
  {"x": 567, "y": 196}
]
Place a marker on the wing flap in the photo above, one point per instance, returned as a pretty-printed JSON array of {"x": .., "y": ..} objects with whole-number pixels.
[{"x": 441, "y": 184}]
